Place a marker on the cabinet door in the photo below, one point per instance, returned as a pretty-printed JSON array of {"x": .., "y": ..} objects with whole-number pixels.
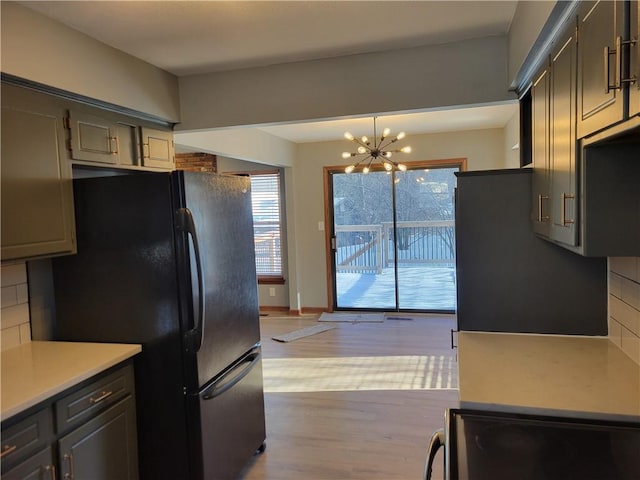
[
  {"x": 38, "y": 467},
  {"x": 600, "y": 102},
  {"x": 128, "y": 144},
  {"x": 563, "y": 142},
  {"x": 157, "y": 148},
  {"x": 103, "y": 448},
  {"x": 634, "y": 70},
  {"x": 540, "y": 153},
  {"x": 93, "y": 139},
  {"x": 37, "y": 195}
]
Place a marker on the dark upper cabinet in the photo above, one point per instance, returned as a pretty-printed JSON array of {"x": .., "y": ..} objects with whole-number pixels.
[
  {"x": 37, "y": 196},
  {"x": 562, "y": 138},
  {"x": 634, "y": 59},
  {"x": 92, "y": 138},
  {"x": 157, "y": 148},
  {"x": 107, "y": 140},
  {"x": 554, "y": 182},
  {"x": 601, "y": 99},
  {"x": 585, "y": 146},
  {"x": 540, "y": 181}
]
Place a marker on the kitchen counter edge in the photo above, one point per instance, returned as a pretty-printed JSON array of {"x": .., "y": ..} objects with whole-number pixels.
[{"x": 36, "y": 371}]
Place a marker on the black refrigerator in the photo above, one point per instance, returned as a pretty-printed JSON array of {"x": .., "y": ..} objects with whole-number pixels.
[
  {"x": 167, "y": 260},
  {"x": 510, "y": 280}
]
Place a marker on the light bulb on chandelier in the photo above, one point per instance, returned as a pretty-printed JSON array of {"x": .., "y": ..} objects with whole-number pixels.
[{"x": 376, "y": 151}]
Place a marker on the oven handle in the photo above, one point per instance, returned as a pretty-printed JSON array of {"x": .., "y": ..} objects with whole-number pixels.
[{"x": 437, "y": 441}]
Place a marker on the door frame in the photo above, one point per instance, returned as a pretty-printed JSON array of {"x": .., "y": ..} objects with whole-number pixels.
[{"x": 328, "y": 172}]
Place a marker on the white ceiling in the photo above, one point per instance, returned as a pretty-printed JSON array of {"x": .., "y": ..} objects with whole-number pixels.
[{"x": 191, "y": 37}]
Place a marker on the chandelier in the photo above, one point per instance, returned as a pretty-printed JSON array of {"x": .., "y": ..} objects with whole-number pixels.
[{"x": 378, "y": 151}]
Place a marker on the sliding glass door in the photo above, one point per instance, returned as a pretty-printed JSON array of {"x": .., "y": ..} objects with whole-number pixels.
[{"x": 393, "y": 238}]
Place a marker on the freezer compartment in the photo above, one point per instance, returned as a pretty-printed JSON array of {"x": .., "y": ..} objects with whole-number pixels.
[{"x": 232, "y": 418}]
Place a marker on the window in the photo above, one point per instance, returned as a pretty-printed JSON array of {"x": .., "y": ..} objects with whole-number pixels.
[{"x": 265, "y": 199}]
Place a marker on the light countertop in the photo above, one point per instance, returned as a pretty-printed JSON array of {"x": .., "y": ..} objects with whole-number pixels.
[
  {"x": 35, "y": 371},
  {"x": 574, "y": 376}
]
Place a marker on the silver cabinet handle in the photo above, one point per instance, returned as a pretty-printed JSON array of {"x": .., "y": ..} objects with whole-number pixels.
[
  {"x": 607, "y": 53},
  {"x": 112, "y": 141},
  {"x": 52, "y": 470},
  {"x": 102, "y": 396},
  {"x": 618, "y": 80},
  {"x": 542, "y": 218},
  {"x": 563, "y": 219},
  {"x": 7, "y": 449},
  {"x": 69, "y": 458},
  {"x": 632, "y": 78}
]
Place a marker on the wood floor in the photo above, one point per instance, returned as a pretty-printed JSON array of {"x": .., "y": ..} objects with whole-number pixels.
[{"x": 353, "y": 434}]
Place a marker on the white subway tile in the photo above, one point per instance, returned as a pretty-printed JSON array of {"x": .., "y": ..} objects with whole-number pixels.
[
  {"x": 9, "y": 337},
  {"x": 9, "y": 296},
  {"x": 615, "y": 284},
  {"x": 625, "y": 266},
  {"x": 23, "y": 293},
  {"x": 630, "y": 345},
  {"x": 13, "y": 274},
  {"x": 631, "y": 293},
  {"x": 625, "y": 314},
  {"x": 615, "y": 332},
  {"x": 15, "y": 315},
  {"x": 25, "y": 333}
]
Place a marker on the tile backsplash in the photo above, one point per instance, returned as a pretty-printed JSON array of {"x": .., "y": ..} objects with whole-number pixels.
[
  {"x": 14, "y": 317},
  {"x": 624, "y": 304}
]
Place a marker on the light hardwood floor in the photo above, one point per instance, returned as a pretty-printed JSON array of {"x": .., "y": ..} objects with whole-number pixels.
[{"x": 350, "y": 433}]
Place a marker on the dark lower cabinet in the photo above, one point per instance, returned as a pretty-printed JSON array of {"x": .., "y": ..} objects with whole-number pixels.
[
  {"x": 38, "y": 467},
  {"x": 103, "y": 448},
  {"x": 86, "y": 432}
]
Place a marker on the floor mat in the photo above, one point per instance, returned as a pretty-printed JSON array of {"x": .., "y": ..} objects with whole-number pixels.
[
  {"x": 351, "y": 317},
  {"x": 303, "y": 332}
]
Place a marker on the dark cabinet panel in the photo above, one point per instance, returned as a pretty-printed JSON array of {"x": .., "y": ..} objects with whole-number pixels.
[
  {"x": 103, "y": 448},
  {"x": 540, "y": 117},
  {"x": 601, "y": 97},
  {"x": 634, "y": 68},
  {"x": 509, "y": 279},
  {"x": 37, "y": 196},
  {"x": 157, "y": 148},
  {"x": 38, "y": 467},
  {"x": 563, "y": 188}
]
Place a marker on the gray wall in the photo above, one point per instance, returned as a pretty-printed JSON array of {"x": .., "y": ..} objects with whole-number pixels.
[
  {"x": 464, "y": 73},
  {"x": 39, "y": 49}
]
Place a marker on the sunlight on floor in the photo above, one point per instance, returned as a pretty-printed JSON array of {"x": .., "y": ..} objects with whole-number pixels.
[{"x": 407, "y": 372}]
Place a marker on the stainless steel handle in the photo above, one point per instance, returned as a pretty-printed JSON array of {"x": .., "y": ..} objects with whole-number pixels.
[
  {"x": 102, "y": 396},
  {"x": 618, "y": 71},
  {"x": 437, "y": 441},
  {"x": 619, "y": 43},
  {"x": 542, "y": 218},
  {"x": 186, "y": 223},
  {"x": 607, "y": 86},
  {"x": 69, "y": 458},
  {"x": 563, "y": 219},
  {"x": 113, "y": 140},
  {"x": 51, "y": 469},
  {"x": 7, "y": 449}
]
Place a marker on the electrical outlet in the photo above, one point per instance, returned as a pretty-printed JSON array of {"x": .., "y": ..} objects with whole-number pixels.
[{"x": 272, "y": 292}]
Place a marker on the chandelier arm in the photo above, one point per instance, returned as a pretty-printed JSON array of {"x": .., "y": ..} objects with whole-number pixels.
[
  {"x": 361, "y": 143},
  {"x": 364, "y": 159},
  {"x": 386, "y": 145}
]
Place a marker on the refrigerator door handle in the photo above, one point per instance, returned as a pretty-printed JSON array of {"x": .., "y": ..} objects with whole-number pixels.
[
  {"x": 231, "y": 377},
  {"x": 186, "y": 224}
]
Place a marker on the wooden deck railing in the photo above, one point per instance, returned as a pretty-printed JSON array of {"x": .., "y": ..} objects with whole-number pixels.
[{"x": 370, "y": 248}]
